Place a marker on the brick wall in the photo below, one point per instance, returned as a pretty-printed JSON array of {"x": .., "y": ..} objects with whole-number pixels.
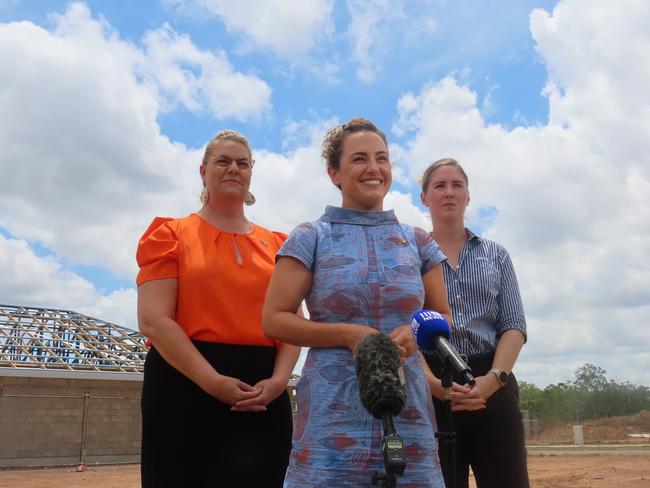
[
  {"x": 42, "y": 420},
  {"x": 54, "y": 421}
]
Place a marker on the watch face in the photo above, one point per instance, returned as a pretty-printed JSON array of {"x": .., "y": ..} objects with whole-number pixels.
[{"x": 503, "y": 377}]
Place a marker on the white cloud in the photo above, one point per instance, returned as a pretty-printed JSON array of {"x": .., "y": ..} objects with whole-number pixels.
[
  {"x": 291, "y": 188},
  {"x": 599, "y": 71},
  {"x": 290, "y": 29},
  {"x": 84, "y": 162},
  {"x": 85, "y": 166},
  {"x": 573, "y": 196},
  {"x": 201, "y": 80},
  {"x": 306, "y": 132},
  {"x": 406, "y": 211},
  {"x": 29, "y": 279},
  {"x": 365, "y": 33},
  {"x": 376, "y": 24}
]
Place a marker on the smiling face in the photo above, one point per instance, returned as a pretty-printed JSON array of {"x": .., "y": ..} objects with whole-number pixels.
[
  {"x": 227, "y": 170},
  {"x": 446, "y": 194},
  {"x": 364, "y": 173}
]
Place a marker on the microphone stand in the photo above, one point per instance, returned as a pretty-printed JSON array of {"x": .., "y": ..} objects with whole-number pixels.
[
  {"x": 447, "y": 437},
  {"x": 393, "y": 455}
]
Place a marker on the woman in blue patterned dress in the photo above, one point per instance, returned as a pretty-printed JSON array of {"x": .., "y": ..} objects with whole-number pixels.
[{"x": 360, "y": 272}]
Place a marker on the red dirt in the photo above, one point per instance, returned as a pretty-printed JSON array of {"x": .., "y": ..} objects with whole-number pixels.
[
  {"x": 554, "y": 471},
  {"x": 613, "y": 430},
  {"x": 619, "y": 469}
]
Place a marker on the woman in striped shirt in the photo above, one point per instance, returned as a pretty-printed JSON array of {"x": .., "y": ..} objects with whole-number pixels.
[{"x": 488, "y": 327}]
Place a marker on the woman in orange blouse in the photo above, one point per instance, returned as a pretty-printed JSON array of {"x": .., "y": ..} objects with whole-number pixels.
[{"x": 215, "y": 411}]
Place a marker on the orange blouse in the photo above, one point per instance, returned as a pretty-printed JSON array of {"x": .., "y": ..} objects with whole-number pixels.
[{"x": 222, "y": 277}]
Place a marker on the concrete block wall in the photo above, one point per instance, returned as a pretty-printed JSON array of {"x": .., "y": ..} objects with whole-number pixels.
[
  {"x": 42, "y": 421},
  {"x": 113, "y": 427}
]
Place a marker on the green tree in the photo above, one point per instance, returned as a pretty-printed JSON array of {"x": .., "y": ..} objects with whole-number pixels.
[
  {"x": 530, "y": 398},
  {"x": 590, "y": 378},
  {"x": 590, "y": 396}
]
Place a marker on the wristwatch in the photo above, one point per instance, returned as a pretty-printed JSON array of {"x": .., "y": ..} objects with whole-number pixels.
[{"x": 502, "y": 376}]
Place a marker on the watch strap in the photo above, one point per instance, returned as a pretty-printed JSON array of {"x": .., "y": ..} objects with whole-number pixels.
[{"x": 502, "y": 376}]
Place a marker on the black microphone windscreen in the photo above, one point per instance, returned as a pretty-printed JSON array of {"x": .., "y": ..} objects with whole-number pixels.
[{"x": 377, "y": 361}]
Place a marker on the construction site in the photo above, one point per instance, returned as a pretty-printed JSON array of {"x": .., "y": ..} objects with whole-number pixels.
[
  {"x": 70, "y": 412},
  {"x": 69, "y": 389}
]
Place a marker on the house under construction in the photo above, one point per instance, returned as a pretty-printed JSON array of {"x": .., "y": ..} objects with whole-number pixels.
[{"x": 69, "y": 388}]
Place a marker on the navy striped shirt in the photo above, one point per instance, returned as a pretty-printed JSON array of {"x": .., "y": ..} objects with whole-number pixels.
[{"x": 484, "y": 296}]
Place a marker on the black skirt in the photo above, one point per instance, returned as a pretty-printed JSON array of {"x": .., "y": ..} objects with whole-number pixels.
[{"x": 190, "y": 438}]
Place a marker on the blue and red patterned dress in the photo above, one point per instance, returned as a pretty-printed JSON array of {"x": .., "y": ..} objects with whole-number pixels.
[{"x": 366, "y": 269}]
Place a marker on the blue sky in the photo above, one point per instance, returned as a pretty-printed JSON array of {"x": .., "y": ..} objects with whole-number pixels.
[
  {"x": 487, "y": 43},
  {"x": 105, "y": 108}
]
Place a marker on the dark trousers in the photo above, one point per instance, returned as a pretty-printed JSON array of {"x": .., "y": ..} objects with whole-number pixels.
[
  {"x": 491, "y": 440},
  {"x": 191, "y": 439}
]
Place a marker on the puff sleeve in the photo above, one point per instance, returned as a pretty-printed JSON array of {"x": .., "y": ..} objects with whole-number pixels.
[
  {"x": 158, "y": 250},
  {"x": 279, "y": 238}
]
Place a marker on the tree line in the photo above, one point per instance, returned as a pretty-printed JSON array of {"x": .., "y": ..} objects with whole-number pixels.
[{"x": 590, "y": 396}]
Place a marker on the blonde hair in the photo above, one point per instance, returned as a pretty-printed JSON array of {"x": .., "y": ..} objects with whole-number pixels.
[
  {"x": 225, "y": 135},
  {"x": 426, "y": 176}
]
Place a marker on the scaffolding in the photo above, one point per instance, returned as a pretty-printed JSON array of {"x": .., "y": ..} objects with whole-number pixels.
[{"x": 52, "y": 339}]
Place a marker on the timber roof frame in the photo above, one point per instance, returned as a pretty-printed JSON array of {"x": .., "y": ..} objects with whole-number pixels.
[{"x": 55, "y": 339}]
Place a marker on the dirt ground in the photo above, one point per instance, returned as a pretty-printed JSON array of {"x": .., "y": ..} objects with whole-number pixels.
[
  {"x": 611, "y": 430},
  {"x": 546, "y": 471},
  {"x": 611, "y": 467}
]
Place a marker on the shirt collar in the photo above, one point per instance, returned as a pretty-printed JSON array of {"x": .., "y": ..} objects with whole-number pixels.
[
  {"x": 471, "y": 236},
  {"x": 340, "y": 215}
]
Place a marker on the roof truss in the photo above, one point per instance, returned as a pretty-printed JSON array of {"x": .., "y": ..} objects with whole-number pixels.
[{"x": 46, "y": 338}]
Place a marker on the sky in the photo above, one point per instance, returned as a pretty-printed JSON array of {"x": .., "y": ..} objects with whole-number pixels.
[{"x": 105, "y": 108}]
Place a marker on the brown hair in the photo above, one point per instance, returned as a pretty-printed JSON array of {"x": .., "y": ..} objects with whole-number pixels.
[
  {"x": 426, "y": 176},
  {"x": 333, "y": 143}
]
